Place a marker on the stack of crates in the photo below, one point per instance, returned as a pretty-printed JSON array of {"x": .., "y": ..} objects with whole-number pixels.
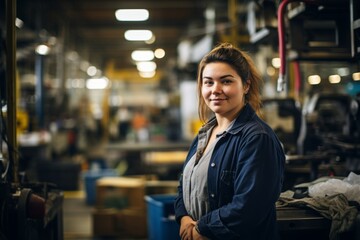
[
  {"x": 119, "y": 208},
  {"x": 121, "y": 211}
]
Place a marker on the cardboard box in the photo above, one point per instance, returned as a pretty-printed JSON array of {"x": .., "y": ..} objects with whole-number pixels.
[
  {"x": 121, "y": 209},
  {"x": 127, "y": 192},
  {"x": 127, "y": 223},
  {"x": 104, "y": 222},
  {"x": 132, "y": 223}
]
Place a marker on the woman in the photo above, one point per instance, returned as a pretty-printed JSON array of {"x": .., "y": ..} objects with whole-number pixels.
[{"x": 233, "y": 173}]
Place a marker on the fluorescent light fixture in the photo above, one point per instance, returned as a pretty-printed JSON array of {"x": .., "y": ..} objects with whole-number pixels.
[
  {"x": 138, "y": 35},
  {"x": 146, "y": 66},
  {"x": 314, "y": 79},
  {"x": 356, "y": 76},
  {"x": 276, "y": 62},
  {"x": 334, "y": 78},
  {"x": 147, "y": 74},
  {"x": 91, "y": 71},
  {"x": 159, "y": 53},
  {"x": 97, "y": 83},
  {"x": 132, "y": 14},
  {"x": 142, "y": 55},
  {"x": 42, "y": 49}
]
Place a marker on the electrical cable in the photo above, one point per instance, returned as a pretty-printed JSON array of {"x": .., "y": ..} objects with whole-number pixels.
[
  {"x": 281, "y": 83},
  {"x": 3, "y": 126}
]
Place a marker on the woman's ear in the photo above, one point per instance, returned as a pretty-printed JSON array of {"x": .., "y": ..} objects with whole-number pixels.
[{"x": 247, "y": 86}]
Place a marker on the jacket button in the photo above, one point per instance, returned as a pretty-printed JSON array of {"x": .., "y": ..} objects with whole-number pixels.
[
  {"x": 212, "y": 195},
  {"x": 212, "y": 164}
]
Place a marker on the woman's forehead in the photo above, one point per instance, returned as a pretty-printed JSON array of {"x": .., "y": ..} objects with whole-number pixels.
[{"x": 218, "y": 69}]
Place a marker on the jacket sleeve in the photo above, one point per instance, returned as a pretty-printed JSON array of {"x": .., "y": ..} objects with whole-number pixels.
[
  {"x": 257, "y": 181},
  {"x": 179, "y": 205}
]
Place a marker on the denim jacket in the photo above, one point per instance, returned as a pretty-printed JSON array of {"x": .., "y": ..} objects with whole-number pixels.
[{"x": 245, "y": 178}]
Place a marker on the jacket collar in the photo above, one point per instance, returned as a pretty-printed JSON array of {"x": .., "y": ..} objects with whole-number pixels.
[{"x": 246, "y": 113}]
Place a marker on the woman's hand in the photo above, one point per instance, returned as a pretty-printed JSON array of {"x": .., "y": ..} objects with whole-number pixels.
[
  {"x": 196, "y": 235},
  {"x": 186, "y": 228}
]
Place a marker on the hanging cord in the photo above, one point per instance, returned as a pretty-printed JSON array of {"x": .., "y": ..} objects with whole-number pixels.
[{"x": 281, "y": 83}]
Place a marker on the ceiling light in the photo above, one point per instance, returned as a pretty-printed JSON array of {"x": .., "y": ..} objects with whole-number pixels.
[
  {"x": 314, "y": 79},
  {"x": 132, "y": 14},
  {"x": 97, "y": 83},
  {"x": 334, "y": 78},
  {"x": 276, "y": 62},
  {"x": 91, "y": 71},
  {"x": 159, "y": 53},
  {"x": 138, "y": 35},
  {"x": 356, "y": 76},
  {"x": 142, "y": 55},
  {"x": 147, "y": 74},
  {"x": 19, "y": 23},
  {"x": 146, "y": 66},
  {"x": 42, "y": 49}
]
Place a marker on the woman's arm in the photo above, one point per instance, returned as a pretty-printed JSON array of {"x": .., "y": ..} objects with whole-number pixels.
[{"x": 257, "y": 184}]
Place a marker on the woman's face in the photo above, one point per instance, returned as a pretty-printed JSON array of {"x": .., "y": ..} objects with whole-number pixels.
[{"x": 222, "y": 89}]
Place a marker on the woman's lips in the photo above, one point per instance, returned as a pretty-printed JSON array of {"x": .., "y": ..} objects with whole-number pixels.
[{"x": 217, "y": 99}]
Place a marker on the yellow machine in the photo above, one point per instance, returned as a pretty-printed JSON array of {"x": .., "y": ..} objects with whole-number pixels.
[{"x": 22, "y": 121}]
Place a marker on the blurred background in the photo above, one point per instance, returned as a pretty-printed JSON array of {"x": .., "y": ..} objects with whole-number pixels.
[{"x": 98, "y": 110}]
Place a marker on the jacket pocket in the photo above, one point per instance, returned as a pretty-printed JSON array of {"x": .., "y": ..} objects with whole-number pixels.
[{"x": 226, "y": 186}]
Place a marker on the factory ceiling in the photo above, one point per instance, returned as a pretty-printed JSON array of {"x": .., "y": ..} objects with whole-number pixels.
[{"x": 90, "y": 27}]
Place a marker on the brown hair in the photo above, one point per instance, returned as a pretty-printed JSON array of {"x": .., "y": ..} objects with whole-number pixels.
[{"x": 242, "y": 63}]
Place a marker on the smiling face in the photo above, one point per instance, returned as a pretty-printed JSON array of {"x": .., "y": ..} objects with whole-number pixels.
[{"x": 222, "y": 89}]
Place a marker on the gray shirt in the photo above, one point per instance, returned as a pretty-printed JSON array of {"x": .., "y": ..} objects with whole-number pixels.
[{"x": 195, "y": 189}]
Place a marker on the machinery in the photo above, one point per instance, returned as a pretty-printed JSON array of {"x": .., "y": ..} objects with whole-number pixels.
[
  {"x": 28, "y": 210},
  {"x": 32, "y": 211},
  {"x": 330, "y": 124}
]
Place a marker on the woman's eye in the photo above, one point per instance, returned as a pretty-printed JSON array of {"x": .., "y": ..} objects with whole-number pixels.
[{"x": 226, "y": 81}]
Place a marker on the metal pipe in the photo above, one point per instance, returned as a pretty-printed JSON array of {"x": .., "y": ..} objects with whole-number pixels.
[
  {"x": 281, "y": 83},
  {"x": 11, "y": 89},
  {"x": 39, "y": 90}
]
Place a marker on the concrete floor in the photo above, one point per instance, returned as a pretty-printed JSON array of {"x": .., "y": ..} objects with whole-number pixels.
[
  {"x": 77, "y": 218},
  {"x": 77, "y": 214}
]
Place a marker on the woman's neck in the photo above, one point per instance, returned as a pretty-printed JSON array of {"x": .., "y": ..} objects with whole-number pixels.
[{"x": 223, "y": 122}]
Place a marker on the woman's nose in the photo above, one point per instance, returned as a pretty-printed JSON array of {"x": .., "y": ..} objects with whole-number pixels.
[{"x": 217, "y": 88}]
